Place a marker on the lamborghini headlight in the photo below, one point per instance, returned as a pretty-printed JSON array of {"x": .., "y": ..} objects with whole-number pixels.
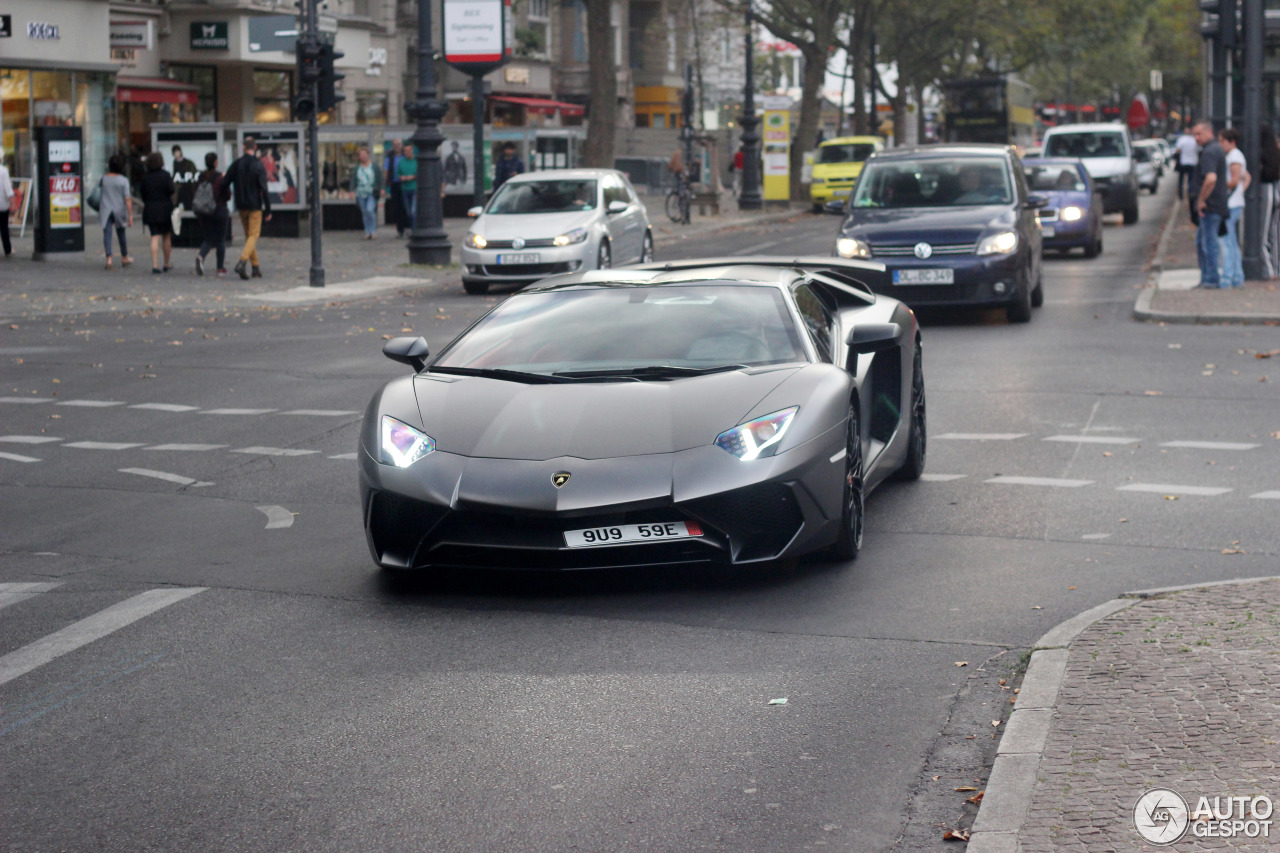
[
  {"x": 999, "y": 244},
  {"x": 852, "y": 247},
  {"x": 757, "y": 438},
  {"x": 476, "y": 241},
  {"x": 577, "y": 235},
  {"x": 403, "y": 445},
  {"x": 1072, "y": 214}
]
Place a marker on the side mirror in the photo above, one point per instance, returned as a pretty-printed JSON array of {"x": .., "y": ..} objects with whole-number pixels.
[
  {"x": 866, "y": 338},
  {"x": 617, "y": 207},
  {"x": 407, "y": 350},
  {"x": 1037, "y": 201},
  {"x": 475, "y": 211}
]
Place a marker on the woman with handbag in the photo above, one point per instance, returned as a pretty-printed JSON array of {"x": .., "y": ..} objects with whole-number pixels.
[
  {"x": 115, "y": 207},
  {"x": 157, "y": 213}
]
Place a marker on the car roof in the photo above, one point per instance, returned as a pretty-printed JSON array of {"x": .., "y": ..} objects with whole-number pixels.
[
  {"x": 943, "y": 150},
  {"x": 563, "y": 175},
  {"x": 1052, "y": 161},
  {"x": 1085, "y": 127},
  {"x": 846, "y": 140}
]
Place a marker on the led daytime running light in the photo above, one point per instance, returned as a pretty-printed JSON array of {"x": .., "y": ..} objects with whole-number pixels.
[
  {"x": 750, "y": 440},
  {"x": 402, "y": 445}
]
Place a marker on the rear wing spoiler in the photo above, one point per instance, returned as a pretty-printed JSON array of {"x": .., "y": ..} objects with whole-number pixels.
[{"x": 838, "y": 273}]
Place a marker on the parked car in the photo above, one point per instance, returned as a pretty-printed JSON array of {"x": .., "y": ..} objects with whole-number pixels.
[
  {"x": 1144, "y": 159},
  {"x": 1107, "y": 153},
  {"x": 954, "y": 224},
  {"x": 558, "y": 221},
  {"x": 837, "y": 166},
  {"x": 1073, "y": 216}
]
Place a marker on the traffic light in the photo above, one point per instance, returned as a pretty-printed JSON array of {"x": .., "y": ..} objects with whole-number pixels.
[
  {"x": 329, "y": 96},
  {"x": 309, "y": 74}
]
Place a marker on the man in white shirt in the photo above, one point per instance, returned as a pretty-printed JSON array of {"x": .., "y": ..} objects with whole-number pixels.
[
  {"x": 1238, "y": 179},
  {"x": 1188, "y": 155}
]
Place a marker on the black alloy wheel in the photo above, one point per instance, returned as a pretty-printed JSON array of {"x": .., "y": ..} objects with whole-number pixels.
[
  {"x": 918, "y": 437},
  {"x": 849, "y": 541}
]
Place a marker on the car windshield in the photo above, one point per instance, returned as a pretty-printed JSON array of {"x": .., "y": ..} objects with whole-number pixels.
[
  {"x": 551, "y": 196},
  {"x": 1086, "y": 143},
  {"x": 632, "y": 328},
  {"x": 949, "y": 182},
  {"x": 1053, "y": 177},
  {"x": 850, "y": 152}
]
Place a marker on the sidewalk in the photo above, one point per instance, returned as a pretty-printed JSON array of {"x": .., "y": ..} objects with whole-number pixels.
[
  {"x": 1171, "y": 299},
  {"x": 1167, "y": 689},
  {"x": 355, "y": 268}
]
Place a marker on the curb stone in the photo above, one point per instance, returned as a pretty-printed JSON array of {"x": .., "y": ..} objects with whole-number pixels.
[{"x": 1012, "y": 782}]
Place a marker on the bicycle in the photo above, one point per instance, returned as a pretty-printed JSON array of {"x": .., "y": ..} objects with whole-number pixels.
[{"x": 679, "y": 201}]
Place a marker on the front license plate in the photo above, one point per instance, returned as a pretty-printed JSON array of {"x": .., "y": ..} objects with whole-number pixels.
[
  {"x": 595, "y": 537},
  {"x": 1047, "y": 231},
  {"x": 523, "y": 258},
  {"x": 841, "y": 191},
  {"x": 940, "y": 276}
]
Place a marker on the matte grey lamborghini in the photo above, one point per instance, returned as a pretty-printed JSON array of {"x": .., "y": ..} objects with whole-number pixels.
[{"x": 725, "y": 410}]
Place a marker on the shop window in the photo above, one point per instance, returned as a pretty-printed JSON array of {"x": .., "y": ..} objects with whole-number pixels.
[
  {"x": 371, "y": 108},
  {"x": 205, "y": 79},
  {"x": 272, "y": 95},
  {"x": 51, "y": 98}
]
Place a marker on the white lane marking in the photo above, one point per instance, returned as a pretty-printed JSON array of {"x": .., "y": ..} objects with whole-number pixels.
[
  {"x": 1267, "y": 496},
  {"x": 1096, "y": 536},
  {"x": 274, "y": 451},
  {"x": 164, "y": 475},
  {"x": 28, "y": 439},
  {"x": 277, "y": 517},
  {"x": 27, "y": 400},
  {"x": 1039, "y": 481},
  {"x": 1169, "y": 489},
  {"x": 942, "y": 478},
  {"x": 1211, "y": 445},
  {"x": 757, "y": 248},
  {"x": 835, "y": 458},
  {"x": 104, "y": 445},
  {"x": 164, "y": 407},
  {"x": 12, "y": 593},
  {"x": 94, "y": 627},
  {"x": 1093, "y": 439},
  {"x": 320, "y": 413},
  {"x": 18, "y": 457},
  {"x": 344, "y": 456},
  {"x": 92, "y": 404},
  {"x": 982, "y": 436},
  {"x": 235, "y": 411},
  {"x": 191, "y": 447}
]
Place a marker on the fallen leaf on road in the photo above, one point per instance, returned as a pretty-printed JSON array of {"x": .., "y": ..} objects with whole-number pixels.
[
  {"x": 995, "y": 723},
  {"x": 386, "y": 337},
  {"x": 1233, "y": 551},
  {"x": 955, "y": 835},
  {"x": 1171, "y": 497},
  {"x": 936, "y": 778},
  {"x": 962, "y": 663},
  {"x": 1003, "y": 682},
  {"x": 1266, "y": 354},
  {"x": 1071, "y": 587},
  {"x": 964, "y": 788},
  {"x": 1036, "y": 607},
  {"x": 970, "y": 737},
  {"x": 1106, "y": 453},
  {"x": 1153, "y": 393},
  {"x": 976, "y": 798}
]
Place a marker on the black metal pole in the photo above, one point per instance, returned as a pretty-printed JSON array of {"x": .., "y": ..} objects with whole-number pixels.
[
  {"x": 750, "y": 198},
  {"x": 313, "y": 160},
  {"x": 477, "y": 137},
  {"x": 428, "y": 243},
  {"x": 1254, "y": 227}
]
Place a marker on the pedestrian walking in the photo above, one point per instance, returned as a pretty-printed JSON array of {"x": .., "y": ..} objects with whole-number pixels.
[
  {"x": 1188, "y": 155},
  {"x": 1269, "y": 180},
  {"x": 739, "y": 161},
  {"x": 1209, "y": 192},
  {"x": 407, "y": 172},
  {"x": 115, "y": 211},
  {"x": 6, "y": 197},
  {"x": 395, "y": 194},
  {"x": 508, "y": 166},
  {"x": 367, "y": 183},
  {"x": 247, "y": 179},
  {"x": 1238, "y": 179},
  {"x": 157, "y": 191},
  {"x": 209, "y": 201}
]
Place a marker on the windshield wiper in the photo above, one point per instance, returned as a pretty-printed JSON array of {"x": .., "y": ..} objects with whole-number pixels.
[
  {"x": 653, "y": 371},
  {"x": 498, "y": 373}
]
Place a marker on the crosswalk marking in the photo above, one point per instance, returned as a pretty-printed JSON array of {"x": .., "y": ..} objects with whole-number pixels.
[
  {"x": 277, "y": 517},
  {"x": 95, "y": 627},
  {"x": 164, "y": 407},
  {"x": 185, "y": 447},
  {"x": 164, "y": 475},
  {"x": 1039, "y": 481},
  {"x": 981, "y": 436},
  {"x": 344, "y": 456},
  {"x": 1093, "y": 439},
  {"x": 92, "y": 404},
  {"x": 274, "y": 451},
  {"x": 28, "y": 439},
  {"x": 1267, "y": 496},
  {"x": 12, "y": 593},
  {"x": 18, "y": 457},
  {"x": 1211, "y": 445},
  {"x": 928, "y": 478},
  {"x": 1170, "y": 489},
  {"x": 320, "y": 413},
  {"x": 104, "y": 445},
  {"x": 21, "y": 400},
  {"x": 235, "y": 411}
]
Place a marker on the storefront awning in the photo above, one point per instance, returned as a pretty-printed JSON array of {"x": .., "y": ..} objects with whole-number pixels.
[
  {"x": 542, "y": 106},
  {"x": 155, "y": 90}
]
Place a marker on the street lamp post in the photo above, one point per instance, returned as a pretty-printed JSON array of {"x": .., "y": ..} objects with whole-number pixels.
[
  {"x": 428, "y": 243},
  {"x": 750, "y": 198}
]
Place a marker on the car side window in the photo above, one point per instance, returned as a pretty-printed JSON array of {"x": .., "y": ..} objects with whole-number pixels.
[
  {"x": 613, "y": 191},
  {"x": 817, "y": 319}
]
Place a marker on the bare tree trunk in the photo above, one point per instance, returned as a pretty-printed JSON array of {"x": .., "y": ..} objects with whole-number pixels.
[
  {"x": 815, "y": 70},
  {"x": 602, "y": 125},
  {"x": 859, "y": 43}
]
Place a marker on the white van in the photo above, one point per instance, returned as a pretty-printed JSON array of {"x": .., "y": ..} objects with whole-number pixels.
[{"x": 1107, "y": 154}]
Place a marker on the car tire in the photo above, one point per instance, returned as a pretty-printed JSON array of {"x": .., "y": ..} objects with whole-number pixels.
[
  {"x": 1095, "y": 248},
  {"x": 1019, "y": 311},
  {"x": 646, "y": 250},
  {"x": 817, "y": 208},
  {"x": 1037, "y": 295},
  {"x": 849, "y": 540},
  {"x": 1131, "y": 214},
  {"x": 476, "y": 288},
  {"x": 604, "y": 259},
  {"x": 917, "y": 437}
]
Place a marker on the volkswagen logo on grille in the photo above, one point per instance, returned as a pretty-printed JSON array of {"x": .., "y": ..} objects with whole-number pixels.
[
  {"x": 518, "y": 243},
  {"x": 923, "y": 250}
]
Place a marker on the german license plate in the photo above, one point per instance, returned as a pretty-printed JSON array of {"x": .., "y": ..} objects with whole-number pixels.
[
  {"x": 520, "y": 258},
  {"x": 1047, "y": 231},
  {"x": 936, "y": 276},
  {"x": 595, "y": 537},
  {"x": 838, "y": 191}
]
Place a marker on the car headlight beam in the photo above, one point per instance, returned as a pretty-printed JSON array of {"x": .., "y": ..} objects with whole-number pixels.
[
  {"x": 476, "y": 241},
  {"x": 757, "y": 438},
  {"x": 403, "y": 445},
  {"x": 1072, "y": 214},
  {"x": 1003, "y": 243},
  {"x": 852, "y": 247},
  {"x": 577, "y": 235}
]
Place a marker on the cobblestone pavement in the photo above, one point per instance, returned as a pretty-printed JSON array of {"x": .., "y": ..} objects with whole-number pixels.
[{"x": 1181, "y": 692}]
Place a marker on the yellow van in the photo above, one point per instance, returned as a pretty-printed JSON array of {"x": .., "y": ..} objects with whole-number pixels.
[{"x": 837, "y": 166}]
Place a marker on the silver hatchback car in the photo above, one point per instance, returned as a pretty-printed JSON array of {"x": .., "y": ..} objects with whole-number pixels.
[{"x": 557, "y": 221}]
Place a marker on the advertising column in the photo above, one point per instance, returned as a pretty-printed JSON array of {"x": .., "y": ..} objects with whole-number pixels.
[
  {"x": 777, "y": 148},
  {"x": 60, "y": 191},
  {"x": 477, "y": 39}
]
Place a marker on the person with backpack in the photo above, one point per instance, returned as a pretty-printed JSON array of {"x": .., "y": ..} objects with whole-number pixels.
[
  {"x": 209, "y": 202},
  {"x": 253, "y": 202}
]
